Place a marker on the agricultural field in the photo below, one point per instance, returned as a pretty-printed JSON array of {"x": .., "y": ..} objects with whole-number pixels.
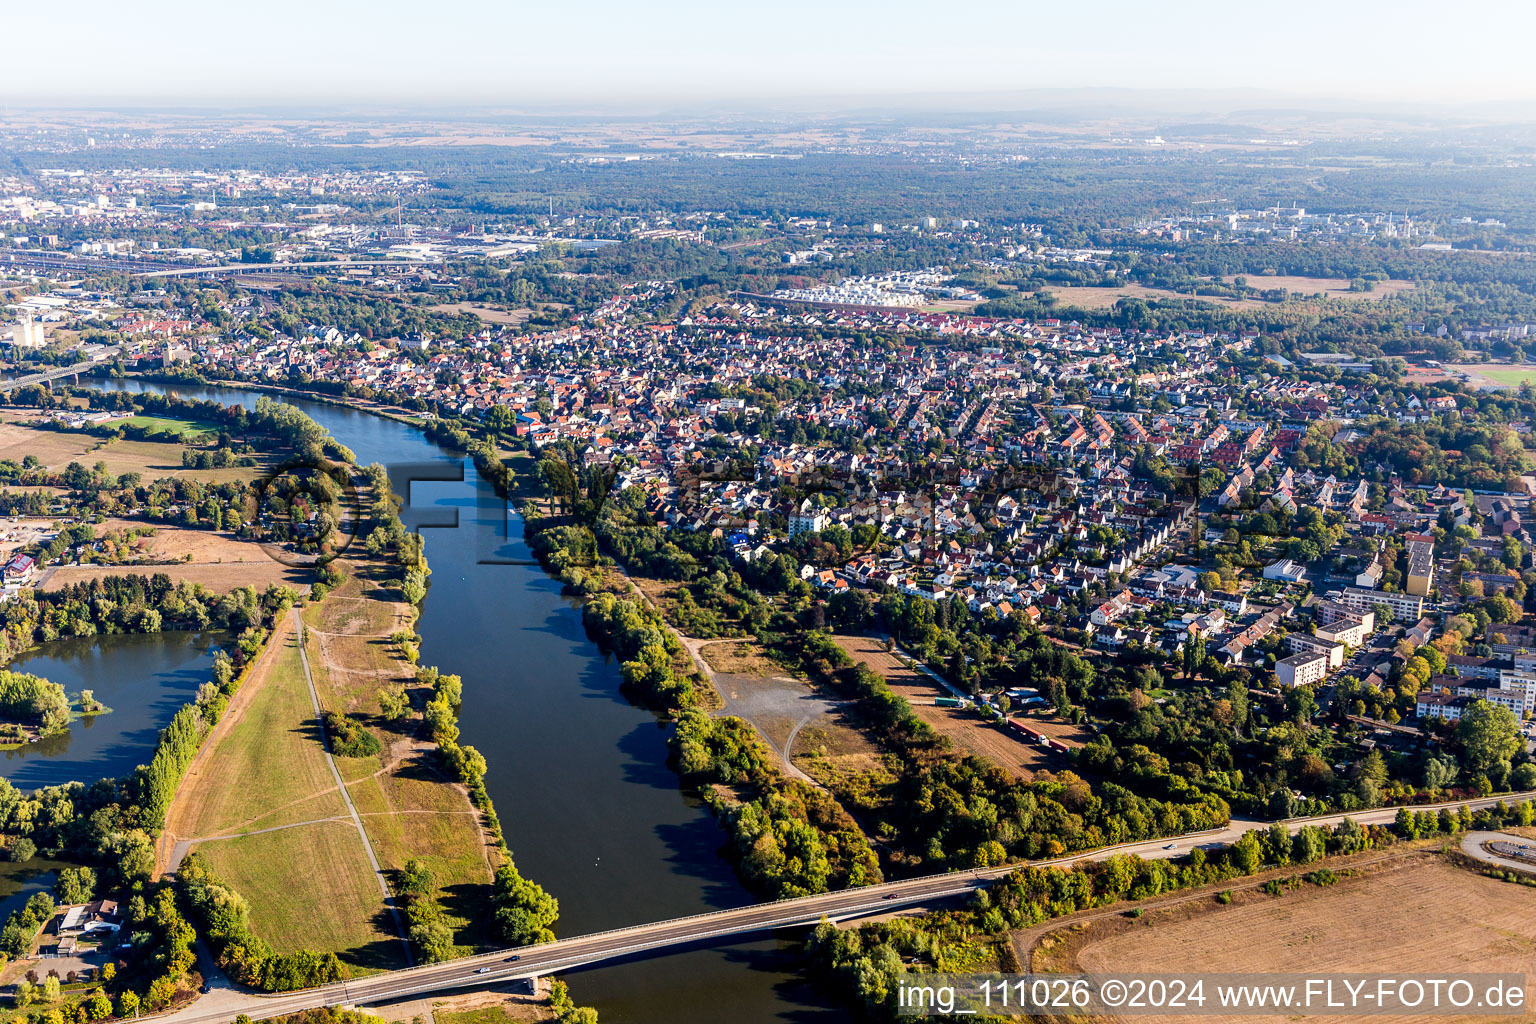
[
  {"x": 1421, "y": 912},
  {"x": 964, "y": 728},
  {"x": 219, "y": 561},
  {"x": 152, "y": 459},
  {"x": 1302, "y": 289},
  {"x": 490, "y": 314}
]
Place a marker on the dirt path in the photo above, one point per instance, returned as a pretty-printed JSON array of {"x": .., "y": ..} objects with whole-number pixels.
[
  {"x": 362, "y": 833},
  {"x": 255, "y": 678},
  {"x": 777, "y": 707}
]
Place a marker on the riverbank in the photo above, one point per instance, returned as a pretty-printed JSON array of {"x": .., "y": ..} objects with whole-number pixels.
[{"x": 600, "y": 820}]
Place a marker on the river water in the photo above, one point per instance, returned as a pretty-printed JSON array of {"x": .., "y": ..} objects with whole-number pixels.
[
  {"x": 578, "y": 774},
  {"x": 143, "y": 679}
]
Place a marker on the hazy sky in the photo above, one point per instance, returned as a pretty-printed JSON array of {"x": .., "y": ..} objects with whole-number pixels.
[{"x": 620, "y": 52}]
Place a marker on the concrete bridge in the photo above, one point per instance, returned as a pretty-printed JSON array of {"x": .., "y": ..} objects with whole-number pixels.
[{"x": 528, "y": 962}]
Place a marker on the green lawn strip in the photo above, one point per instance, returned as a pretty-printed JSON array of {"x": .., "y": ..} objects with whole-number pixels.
[{"x": 311, "y": 888}]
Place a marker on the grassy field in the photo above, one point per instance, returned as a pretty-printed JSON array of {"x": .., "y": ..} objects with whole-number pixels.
[
  {"x": 408, "y": 806},
  {"x": 1401, "y": 914},
  {"x": 266, "y": 769},
  {"x": 273, "y": 749},
  {"x": 413, "y": 812},
  {"x": 311, "y": 887},
  {"x": 1507, "y": 375},
  {"x": 492, "y": 1008},
  {"x": 181, "y": 428}
]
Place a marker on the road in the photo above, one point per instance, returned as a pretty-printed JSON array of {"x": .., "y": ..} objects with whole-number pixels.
[
  {"x": 849, "y": 904},
  {"x": 341, "y": 786},
  {"x": 1472, "y": 846}
]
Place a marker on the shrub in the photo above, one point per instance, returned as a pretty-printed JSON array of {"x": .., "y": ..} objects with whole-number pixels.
[{"x": 349, "y": 738}]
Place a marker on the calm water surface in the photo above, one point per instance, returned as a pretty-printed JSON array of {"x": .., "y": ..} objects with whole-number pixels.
[
  {"x": 143, "y": 679},
  {"x": 578, "y": 774}
]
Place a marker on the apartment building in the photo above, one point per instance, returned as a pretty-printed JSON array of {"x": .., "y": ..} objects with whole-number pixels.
[
  {"x": 1301, "y": 643},
  {"x": 1330, "y": 612},
  {"x": 1350, "y": 634},
  {"x": 1302, "y": 669},
  {"x": 1404, "y": 607},
  {"x": 1421, "y": 564}
]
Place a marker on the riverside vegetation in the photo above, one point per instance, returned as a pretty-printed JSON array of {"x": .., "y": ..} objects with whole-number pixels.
[
  {"x": 864, "y": 963},
  {"x": 112, "y": 823}
]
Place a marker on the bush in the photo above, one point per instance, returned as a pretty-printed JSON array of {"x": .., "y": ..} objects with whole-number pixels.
[{"x": 349, "y": 738}]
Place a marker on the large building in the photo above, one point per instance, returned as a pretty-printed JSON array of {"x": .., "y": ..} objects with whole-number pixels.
[
  {"x": 1301, "y": 643},
  {"x": 1330, "y": 612},
  {"x": 807, "y": 522},
  {"x": 1351, "y": 634},
  {"x": 1302, "y": 669},
  {"x": 1404, "y": 607},
  {"x": 1421, "y": 564},
  {"x": 27, "y": 333}
]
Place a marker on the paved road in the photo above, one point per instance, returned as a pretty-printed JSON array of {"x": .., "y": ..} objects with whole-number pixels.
[
  {"x": 362, "y": 833},
  {"x": 532, "y": 961},
  {"x": 1472, "y": 846}
]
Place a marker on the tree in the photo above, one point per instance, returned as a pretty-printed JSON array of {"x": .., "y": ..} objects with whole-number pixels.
[
  {"x": 394, "y": 703},
  {"x": 1488, "y": 734},
  {"x": 500, "y": 419},
  {"x": 1247, "y": 854},
  {"x": 23, "y": 850},
  {"x": 52, "y": 989},
  {"x": 851, "y": 609},
  {"x": 416, "y": 878},
  {"x": 1439, "y": 772},
  {"x": 1308, "y": 845},
  {"x": 75, "y": 886}
]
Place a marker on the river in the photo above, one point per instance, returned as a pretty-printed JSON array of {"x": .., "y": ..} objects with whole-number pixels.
[
  {"x": 143, "y": 679},
  {"x": 578, "y": 774}
]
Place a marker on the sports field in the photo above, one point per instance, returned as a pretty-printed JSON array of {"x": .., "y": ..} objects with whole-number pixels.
[{"x": 1507, "y": 375}]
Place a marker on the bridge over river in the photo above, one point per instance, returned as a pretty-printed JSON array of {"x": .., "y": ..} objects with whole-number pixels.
[
  {"x": 224, "y": 1003},
  {"x": 54, "y": 373}
]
